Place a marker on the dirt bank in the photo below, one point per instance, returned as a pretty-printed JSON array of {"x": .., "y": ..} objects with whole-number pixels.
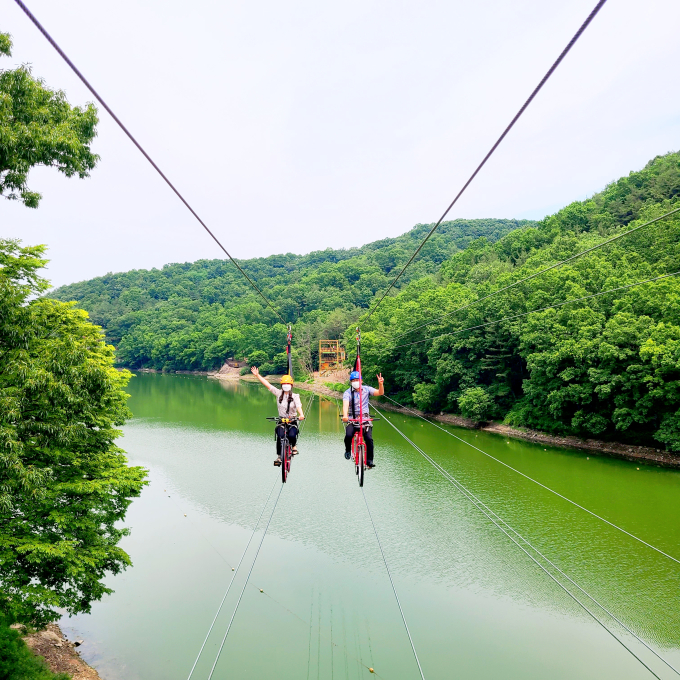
[{"x": 60, "y": 654}]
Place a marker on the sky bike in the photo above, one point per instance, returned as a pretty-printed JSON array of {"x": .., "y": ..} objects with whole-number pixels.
[
  {"x": 359, "y": 445},
  {"x": 286, "y": 448}
]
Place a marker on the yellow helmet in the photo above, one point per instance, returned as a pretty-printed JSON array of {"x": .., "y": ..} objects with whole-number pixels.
[{"x": 287, "y": 380}]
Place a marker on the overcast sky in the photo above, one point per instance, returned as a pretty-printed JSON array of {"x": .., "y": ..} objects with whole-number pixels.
[{"x": 296, "y": 126}]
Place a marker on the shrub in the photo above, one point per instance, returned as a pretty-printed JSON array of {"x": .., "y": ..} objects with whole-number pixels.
[
  {"x": 257, "y": 358},
  {"x": 338, "y": 387},
  {"x": 425, "y": 396},
  {"x": 17, "y": 661},
  {"x": 475, "y": 403}
]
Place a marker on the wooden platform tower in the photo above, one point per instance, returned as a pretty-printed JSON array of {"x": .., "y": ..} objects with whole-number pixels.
[{"x": 331, "y": 356}]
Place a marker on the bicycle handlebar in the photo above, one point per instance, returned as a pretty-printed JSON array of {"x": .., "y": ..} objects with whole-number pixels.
[
  {"x": 365, "y": 420},
  {"x": 283, "y": 420}
]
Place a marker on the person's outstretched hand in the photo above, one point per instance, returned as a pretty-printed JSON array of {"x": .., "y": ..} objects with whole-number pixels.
[
  {"x": 381, "y": 380},
  {"x": 254, "y": 371}
]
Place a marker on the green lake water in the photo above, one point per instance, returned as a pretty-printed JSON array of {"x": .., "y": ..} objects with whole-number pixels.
[{"x": 477, "y": 606}]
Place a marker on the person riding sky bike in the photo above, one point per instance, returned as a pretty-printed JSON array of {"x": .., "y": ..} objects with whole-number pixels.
[
  {"x": 352, "y": 405},
  {"x": 289, "y": 405}
]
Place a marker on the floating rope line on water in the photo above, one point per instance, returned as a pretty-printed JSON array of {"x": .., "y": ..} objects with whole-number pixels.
[
  {"x": 543, "y": 486},
  {"x": 233, "y": 576},
  {"x": 495, "y": 519},
  {"x": 541, "y": 271},
  {"x": 535, "y": 311},
  {"x": 394, "y": 588},
  {"x": 243, "y": 590},
  {"x": 544, "y": 80},
  {"x": 85, "y": 82}
]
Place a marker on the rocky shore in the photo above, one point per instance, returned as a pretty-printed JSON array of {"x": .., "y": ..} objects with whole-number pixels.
[{"x": 60, "y": 654}]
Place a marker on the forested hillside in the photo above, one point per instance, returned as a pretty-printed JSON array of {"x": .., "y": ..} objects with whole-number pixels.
[
  {"x": 606, "y": 367},
  {"x": 191, "y": 316}
]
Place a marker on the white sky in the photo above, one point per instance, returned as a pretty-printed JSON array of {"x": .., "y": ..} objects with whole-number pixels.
[{"x": 301, "y": 125}]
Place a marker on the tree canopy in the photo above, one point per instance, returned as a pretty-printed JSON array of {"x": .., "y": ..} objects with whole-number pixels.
[
  {"x": 606, "y": 367},
  {"x": 64, "y": 485},
  {"x": 39, "y": 127},
  {"x": 191, "y": 316}
]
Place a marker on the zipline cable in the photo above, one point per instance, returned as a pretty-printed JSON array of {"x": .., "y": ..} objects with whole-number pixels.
[
  {"x": 489, "y": 513},
  {"x": 538, "y": 273},
  {"x": 545, "y": 78},
  {"x": 238, "y": 566},
  {"x": 453, "y": 479},
  {"x": 233, "y": 576},
  {"x": 394, "y": 589},
  {"x": 224, "y": 639},
  {"x": 85, "y": 82},
  {"x": 535, "y": 311},
  {"x": 543, "y": 486}
]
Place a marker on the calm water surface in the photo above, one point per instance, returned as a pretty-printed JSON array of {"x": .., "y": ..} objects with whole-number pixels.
[{"x": 476, "y": 605}]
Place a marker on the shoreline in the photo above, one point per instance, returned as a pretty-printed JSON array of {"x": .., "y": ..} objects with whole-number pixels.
[
  {"x": 60, "y": 655},
  {"x": 629, "y": 452},
  {"x": 636, "y": 454}
]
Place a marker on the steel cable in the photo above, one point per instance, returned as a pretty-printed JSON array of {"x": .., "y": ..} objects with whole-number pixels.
[
  {"x": 238, "y": 566},
  {"x": 233, "y": 576},
  {"x": 224, "y": 639},
  {"x": 394, "y": 589},
  {"x": 535, "y": 311},
  {"x": 85, "y": 82},
  {"x": 545, "y": 78},
  {"x": 538, "y": 273},
  {"x": 490, "y": 515},
  {"x": 240, "y": 597},
  {"x": 543, "y": 486}
]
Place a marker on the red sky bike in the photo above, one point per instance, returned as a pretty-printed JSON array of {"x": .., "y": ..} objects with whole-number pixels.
[
  {"x": 286, "y": 448},
  {"x": 359, "y": 445}
]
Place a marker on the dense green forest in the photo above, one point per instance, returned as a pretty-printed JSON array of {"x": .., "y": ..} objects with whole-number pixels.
[
  {"x": 191, "y": 316},
  {"x": 607, "y": 367}
]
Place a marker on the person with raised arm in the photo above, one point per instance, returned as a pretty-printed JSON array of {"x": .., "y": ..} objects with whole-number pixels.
[
  {"x": 289, "y": 405},
  {"x": 353, "y": 404}
]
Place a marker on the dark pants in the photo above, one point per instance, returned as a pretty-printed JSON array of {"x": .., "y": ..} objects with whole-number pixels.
[
  {"x": 368, "y": 438},
  {"x": 280, "y": 432}
]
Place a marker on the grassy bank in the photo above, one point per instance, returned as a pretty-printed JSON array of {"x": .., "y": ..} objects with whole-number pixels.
[{"x": 17, "y": 661}]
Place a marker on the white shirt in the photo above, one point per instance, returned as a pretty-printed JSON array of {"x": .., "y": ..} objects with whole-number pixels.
[{"x": 284, "y": 405}]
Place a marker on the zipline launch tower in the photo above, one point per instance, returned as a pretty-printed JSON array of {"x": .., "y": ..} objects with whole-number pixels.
[{"x": 331, "y": 356}]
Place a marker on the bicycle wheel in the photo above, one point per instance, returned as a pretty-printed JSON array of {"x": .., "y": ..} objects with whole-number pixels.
[
  {"x": 285, "y": 460},
  {"x": 361, "y": 455},
  {"x": 355, "y": 457}
]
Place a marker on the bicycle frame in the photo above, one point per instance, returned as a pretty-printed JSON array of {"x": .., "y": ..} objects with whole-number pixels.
[
  {"x": 359, "y": 451},
  {"x": 286, "y": 449},
  {"x": 358, "y": 438}
]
